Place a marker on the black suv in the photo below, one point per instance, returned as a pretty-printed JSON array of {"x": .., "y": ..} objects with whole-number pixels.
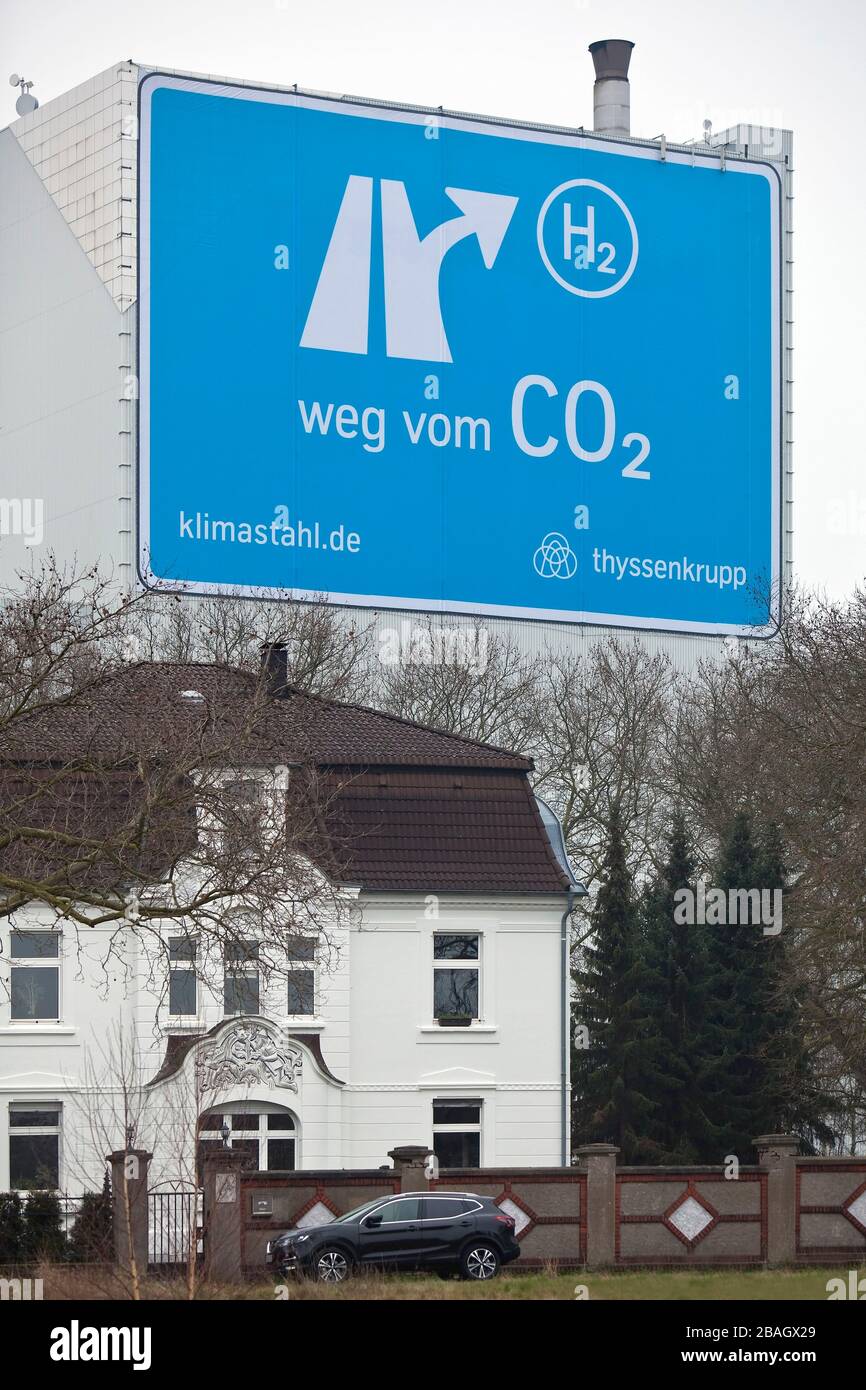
[{"x": 446, "y": 1232}]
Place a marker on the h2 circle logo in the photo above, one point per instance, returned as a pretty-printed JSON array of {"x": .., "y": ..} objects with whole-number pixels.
[{"x": 587, "y": 238}]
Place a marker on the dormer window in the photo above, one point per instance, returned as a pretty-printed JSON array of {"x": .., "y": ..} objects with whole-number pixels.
[{"x": 242, "y": 812}]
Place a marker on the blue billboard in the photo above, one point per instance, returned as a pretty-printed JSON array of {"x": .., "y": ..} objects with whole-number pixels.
[{"x": 416, "y": 361}]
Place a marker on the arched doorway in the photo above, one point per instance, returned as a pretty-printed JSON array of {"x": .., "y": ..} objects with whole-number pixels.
[{"x": 268, "y": 1133}]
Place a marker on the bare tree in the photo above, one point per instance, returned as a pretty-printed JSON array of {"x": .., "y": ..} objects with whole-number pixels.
[
  {"x": 599, "y": 738},
  {"x": 781, "y": 728},
  {"x": 328, "y": 648},
  {"x": 595, "y": 725},
  {"x": 465, "y": 680},
  {"x": 110, "y": 1101},
  {"x": 114, "y": 1109},
  {"x": 127, "y": 800}
]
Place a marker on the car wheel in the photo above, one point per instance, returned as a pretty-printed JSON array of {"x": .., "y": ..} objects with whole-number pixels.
[
  {"x": 479, "y": 1261},
  {"x": 332, "y": 1266}
]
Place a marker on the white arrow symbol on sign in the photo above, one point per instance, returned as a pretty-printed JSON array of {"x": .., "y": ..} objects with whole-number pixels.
[
  {"x": 338, "y": 317},
  {"x": 413, "y": 315}
]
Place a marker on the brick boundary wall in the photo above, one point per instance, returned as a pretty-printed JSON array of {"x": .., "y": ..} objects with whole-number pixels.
[
  {"x": 836, "y": 1179},
  {"x": 784, "y": 1211},
  {"x": 742, "y": 1242},
  {"x": 538, "y": 1199},
  {"x": 338, "y": 1191}
]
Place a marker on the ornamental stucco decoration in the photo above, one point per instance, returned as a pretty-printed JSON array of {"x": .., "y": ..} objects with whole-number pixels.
[{"x": 249, "y": 1054}]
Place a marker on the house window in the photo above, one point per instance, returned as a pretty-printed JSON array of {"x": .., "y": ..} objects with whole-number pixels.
[
  {"x": 241, "y": 984},
  {"x": 457, "y": 1133},
  {"x": 34, "y": 1145},
  {"x": 242, "y": 812},
  {"x": 302, "y": 976},
  {"x": 35, "y": 984},
  {"x": 267, "y": 1138},
  {"x": 456, "y": 968},
  {"x": 182, "y": 990}
]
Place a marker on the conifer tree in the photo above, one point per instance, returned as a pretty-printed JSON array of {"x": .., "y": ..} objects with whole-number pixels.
[
  {"x": 790, "y": 1099},
  {"x": 11, "y": 1229},
  {"x": 91, "y": 1237},
  {"x": 43, "y": 1237},
  {"x": 675, "y": 1041},
  {"x": 735, "y": 993},
  {"x": 760, "y": 1075},
  {"x": 609, "y": 1102}
]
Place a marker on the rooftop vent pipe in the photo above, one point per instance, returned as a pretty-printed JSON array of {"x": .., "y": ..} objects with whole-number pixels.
[{"x": 611, "y": 97}]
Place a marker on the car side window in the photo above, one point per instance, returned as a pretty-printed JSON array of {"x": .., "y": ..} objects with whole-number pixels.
[
  {"x": 406, "y": 1209},
  {"x": 439, "y": 1208}
]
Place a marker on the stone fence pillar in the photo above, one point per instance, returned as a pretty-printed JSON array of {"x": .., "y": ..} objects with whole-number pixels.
[
  {"x": 223, "y": 1214},
  {"x": 129, "y": 1170},
  {"x": 409, "y": 1162},
  {"x": 599, "y": 1163},
  {"x": 777, "y": 1154}
]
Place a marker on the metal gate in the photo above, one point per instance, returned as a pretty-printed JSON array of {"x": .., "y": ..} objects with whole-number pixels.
[{"x": 174, "y": 1221}]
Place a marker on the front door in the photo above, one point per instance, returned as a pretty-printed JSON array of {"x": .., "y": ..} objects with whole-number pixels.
[{"x": 389, "y": 1236}]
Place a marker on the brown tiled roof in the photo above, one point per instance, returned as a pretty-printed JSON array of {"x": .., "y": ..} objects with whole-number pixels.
[
  {"x": 40, "y": 805},
  {"x": 411, "y": 808},
  {"x": 469, "y": 829},
  {"x": 143, "y": 705}
]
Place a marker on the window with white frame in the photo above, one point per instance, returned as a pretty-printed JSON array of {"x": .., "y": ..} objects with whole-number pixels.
[
  {"x": 267, "y": 1136},
  {"x": 182, "y": 984},
  {"x": 34, "y": 1145},
  {"x": 302, "y": 975},
  {"x": 456, "y": 977},
  {"x": 35, "y": 976},
  {"x": 457, "y": 1133},
  {"x": 242, "y": 981}
]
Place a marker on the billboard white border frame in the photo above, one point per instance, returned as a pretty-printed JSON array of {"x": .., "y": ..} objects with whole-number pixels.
[{"x": 153, "y": 80}]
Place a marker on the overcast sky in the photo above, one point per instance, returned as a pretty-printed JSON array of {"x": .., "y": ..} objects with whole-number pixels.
[{"x": 790, "y": 63}]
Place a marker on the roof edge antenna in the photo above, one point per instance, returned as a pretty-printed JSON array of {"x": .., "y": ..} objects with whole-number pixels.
[{"x": 26, "y": 101}]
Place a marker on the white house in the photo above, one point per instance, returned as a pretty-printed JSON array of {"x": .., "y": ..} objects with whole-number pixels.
[{"x": 432, "y": 1012}]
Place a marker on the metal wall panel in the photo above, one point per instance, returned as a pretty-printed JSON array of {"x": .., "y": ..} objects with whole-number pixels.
[
  {"x": 60, "y": 379},
  {"x": 83, "y": 147}
]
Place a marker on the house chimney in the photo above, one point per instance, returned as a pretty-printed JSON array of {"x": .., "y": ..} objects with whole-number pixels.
[
  {"x": 275, "y": 669},
  {"x": 611, "y": 98}
]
